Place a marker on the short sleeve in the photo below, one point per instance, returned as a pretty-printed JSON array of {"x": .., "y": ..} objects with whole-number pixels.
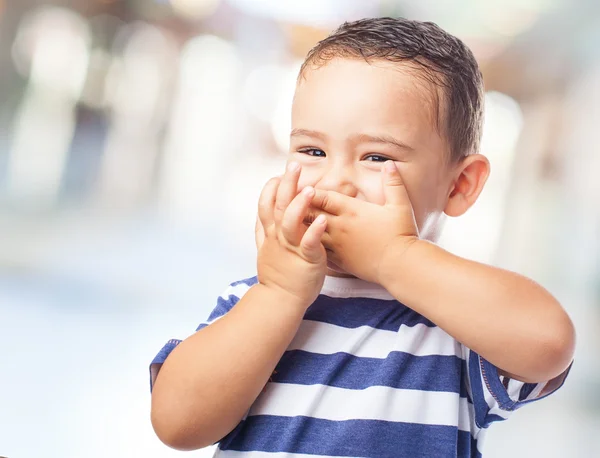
[
  {"x": 495, "y": 397},
  {"x": 225, "y": 303}
]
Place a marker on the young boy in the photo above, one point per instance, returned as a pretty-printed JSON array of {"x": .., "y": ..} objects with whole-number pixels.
[{"x": 360, "y": 336}]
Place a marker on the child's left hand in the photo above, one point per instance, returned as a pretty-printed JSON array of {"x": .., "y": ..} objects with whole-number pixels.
[{"x": 360, "y": 234}]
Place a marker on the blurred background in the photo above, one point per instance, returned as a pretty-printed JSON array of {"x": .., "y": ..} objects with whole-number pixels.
[{"x": 135, "y": 136}]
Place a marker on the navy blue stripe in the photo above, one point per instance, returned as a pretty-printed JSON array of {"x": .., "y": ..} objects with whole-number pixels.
[
  {"x": 495, "y": 386},
  {"x": 246, "y": 281},
  {"x": 161, "y": 356},
  {"x": 526, "y": 390},
  {"x": 356, "y": 312},
  {"x": 491, "y": 418},
  {"x": 165, "y": 351},
  {"x": 398, "y": 370},
  {"x": 467, "y": 446},
  {"x": 365, "y": 438},
  {"x": 481, "y": 407},
  {"x": 223, "y": 306},
  {"x": 483, "y": 418}
]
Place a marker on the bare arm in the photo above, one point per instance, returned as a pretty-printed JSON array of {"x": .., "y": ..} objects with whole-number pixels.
[
  {"x": 508, "y": 319},
  {"x": 211, "y": 379}
]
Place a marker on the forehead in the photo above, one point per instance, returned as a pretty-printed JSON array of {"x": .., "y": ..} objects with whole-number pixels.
[{"x": 351, "y": 94}]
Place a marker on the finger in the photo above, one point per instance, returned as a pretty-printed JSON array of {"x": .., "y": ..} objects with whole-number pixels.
[
  {"x": 326, "y": 239},
  {"x": 331, "y": 202},
  {"x": 311, "y": 246},
  {"x": 287, "y": 190},
  {"x": 311, "y": 215},
  {"x": 292, "y": 225},
  {"x": 259, "y": 233},
  {"x": 393, "y": 186},
  {"x": 266, "y": 202}
]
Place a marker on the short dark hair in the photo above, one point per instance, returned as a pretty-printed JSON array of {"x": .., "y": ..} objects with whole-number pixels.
[{"x": 442, "y": 59}]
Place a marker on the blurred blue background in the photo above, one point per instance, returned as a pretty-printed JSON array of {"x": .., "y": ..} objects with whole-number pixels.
[{"x": 135, "y": 136}]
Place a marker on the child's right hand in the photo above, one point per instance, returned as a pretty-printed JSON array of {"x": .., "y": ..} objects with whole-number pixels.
[{"x": 291, "y": 259}]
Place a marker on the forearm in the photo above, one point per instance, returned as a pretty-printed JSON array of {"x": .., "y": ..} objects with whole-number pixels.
[
  {"x": 508, "y": 319},
  {"x": 212, "y": 378}
]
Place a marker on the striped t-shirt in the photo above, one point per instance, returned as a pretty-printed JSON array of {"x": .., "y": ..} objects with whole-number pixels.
[{"x": 366, "y": 376}]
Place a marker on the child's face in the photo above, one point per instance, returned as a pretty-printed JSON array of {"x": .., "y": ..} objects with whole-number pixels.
[{"x": 349, "y": 116}]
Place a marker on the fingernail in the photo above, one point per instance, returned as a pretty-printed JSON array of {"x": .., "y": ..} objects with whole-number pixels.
[
  {"x": 308, "y": 191},
  {"x": 390, "y": 166},
  {"x": 320, "y": 219},
  {"x": 293, "y": 166}
]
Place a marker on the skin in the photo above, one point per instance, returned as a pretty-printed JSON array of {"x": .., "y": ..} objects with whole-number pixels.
[
  {"x": 348, "y": 124},
  {"x": 339, "y": 137},
  {"x": 369, "y": 168}
]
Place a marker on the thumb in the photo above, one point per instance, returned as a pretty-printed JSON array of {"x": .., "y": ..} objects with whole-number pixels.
[
  {"x": 393, "y": 186},
  {"x": 311, "y": 245}
]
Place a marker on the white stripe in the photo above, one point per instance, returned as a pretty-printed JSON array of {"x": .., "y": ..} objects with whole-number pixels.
[
  {"x": 480, "y": 439},
  {"x": 213, "y": 321},
  {"x": 369, "y": 291},
  {"x": 536, "y": 391},
  {"x": 496, "y": 410},
  {"x": 238, "y": 291},
  {"x": 514, "y": 387},
  {"x": 466, "y": 419},
  {"x": 354, "y": 287},
  {"x": 373, "y": 403},
  {"x": 368, "y": 342},
  {"x": 235, "y": 454},
  {"x": 475, "y": 430}
]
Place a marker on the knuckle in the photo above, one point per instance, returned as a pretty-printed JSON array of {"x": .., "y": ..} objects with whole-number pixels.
[
  {"x": 280, "y": 207},
  {"x": 395, "y": 181},
  {"x": 309, "y": 218}
]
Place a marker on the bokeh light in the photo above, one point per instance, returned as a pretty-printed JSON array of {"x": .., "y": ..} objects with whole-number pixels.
[
  {"x": 194, "y": 9},
  {"x": 135, "y": 137}
]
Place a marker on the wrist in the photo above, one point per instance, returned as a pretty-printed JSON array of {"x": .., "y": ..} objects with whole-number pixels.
[
  {"x": 284, "y": 298},
  {"x": 395, "y": 262}
]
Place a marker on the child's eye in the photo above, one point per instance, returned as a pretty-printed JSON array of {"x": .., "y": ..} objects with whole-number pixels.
[
  {"x": 376, "y": 158},
  {"x": 313, "y": 152}
]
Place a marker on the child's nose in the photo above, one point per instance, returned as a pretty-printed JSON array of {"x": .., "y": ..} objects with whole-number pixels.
[{"x": 339, "y": 180}]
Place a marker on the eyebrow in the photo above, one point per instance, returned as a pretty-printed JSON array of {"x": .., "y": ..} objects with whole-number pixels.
[
  {"x": 357, "y": 138},
  {"x": 382, "y": 139},
  {"x": 308, "y": 133}
]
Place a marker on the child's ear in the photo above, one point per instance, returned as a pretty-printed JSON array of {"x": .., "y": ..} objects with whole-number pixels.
[{"x": 471, "y": 174}]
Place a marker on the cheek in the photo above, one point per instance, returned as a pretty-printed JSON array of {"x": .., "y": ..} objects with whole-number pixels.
[
  {"x": 308, "y": 177},
  {"x": 371, "y": 189}
]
